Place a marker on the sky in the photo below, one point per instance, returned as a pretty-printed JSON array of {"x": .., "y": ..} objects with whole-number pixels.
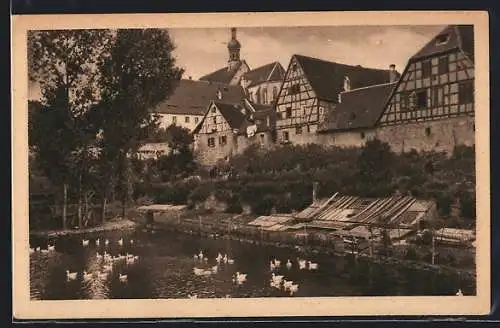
[{"x": 202, "y": 51}]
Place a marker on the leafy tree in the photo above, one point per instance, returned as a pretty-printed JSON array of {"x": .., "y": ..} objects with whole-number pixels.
[
  {"x": 138, "y": 74},
  {"x": 64, "y": 64},
  {"x": 375, "y": 168}
]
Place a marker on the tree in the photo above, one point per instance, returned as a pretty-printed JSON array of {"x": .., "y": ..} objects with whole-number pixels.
[
  {"x": 137, "y": 75},
  {"x": 64, "y": 64},
  {"x": 375, "y": 168}
]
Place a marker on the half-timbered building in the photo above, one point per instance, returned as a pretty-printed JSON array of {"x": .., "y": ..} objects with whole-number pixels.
[
  {"x": 432, "y": 106},
  {"x": 311, "y": 89},
  {"x": 228, "y": 129}
]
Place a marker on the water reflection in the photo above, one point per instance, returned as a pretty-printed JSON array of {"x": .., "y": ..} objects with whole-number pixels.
[{"x": 165, "y": 261}]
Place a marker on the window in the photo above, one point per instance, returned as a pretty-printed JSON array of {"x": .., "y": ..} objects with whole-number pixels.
[
  {"x": 214, "y": 110},
  {"x": 174, "y": 119},
  {"x": 426, "y": 69},
  {"x": 466, "y": 92},
  {"x": 298, "y": 130},
  {"x": 294, "y": 89},
  {"x": 196, "y": 120},
  {"x": 421, "y": 99},
  {"x": 437, "y": 96},
  {"x": 215, "y": 120},
  {"x": 222, "y": 140},
  {"x": 427, "y": 131},
  {"x": 286, "y": 136},
  {"x": 211, "y": 142},
  {"x": 443, "y": 65},
  {"x": 186, "y": 119},
  {"x": 275, "y": 93},
  {"x": 288, "y": 112},
  {"x": 405, "y": 101},
  {"x": 442, "y": 39},
  {"x": 264, "y": 96},
  {"x": 262, "y": 139}
]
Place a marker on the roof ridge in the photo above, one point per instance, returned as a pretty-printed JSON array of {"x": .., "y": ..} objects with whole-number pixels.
[
  {"x": 341, "y": 64},
  {"x": 370, "y": 86}
]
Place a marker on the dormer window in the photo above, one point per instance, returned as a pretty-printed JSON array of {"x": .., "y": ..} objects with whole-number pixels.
[
  {"x": 219, "y": 94},
  {"x": 442, "y": 39}
]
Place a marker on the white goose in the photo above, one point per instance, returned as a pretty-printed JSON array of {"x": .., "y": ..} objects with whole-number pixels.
[
  {"x": 70, "y": 275},
  {"x": 107, "y": 268},
  {"x": 293, "y": 289},
  {"x": 195, "y": 257},
  {"x": 85, "y": 242},
  {"x": 44, "y": 251},
  {"x": 218, "y": 258},
  {"x": 97, "y": 242},
  {"x": 122, "y": 277},
  {"x": 106, "y": 242},
  {"x": 194, "y": 296},
  {"x": 32, "y": 250},
  {"x": 51, "y": 248},
  {"x": 288, "y": 264},
  {"x": 240, "y": 278},
  {"x": 459, "y": 293},
  {"x": 99, "y": 256},
  {"x": 277, "y": 263},
  {"x": 302, "y": 264},
  {"x": 277, "y": 279},
  {"x": 198, "y": 271},
  {"x": 287, "y": 284},
  {"x": 272, "y": 266},
  {"x": 313, "y": 266},
  {"x": 131, "y": 241},
  {"x": 120, "y": 241},
  {"x": 215, "y": 269},
  {"x": 200, "y": 255},
  {"x": 87, "y": 276},
  {"x": 225, "y": 258},
  {"x": 230, "y": 261},
  {"x": 38, "y": 249}
]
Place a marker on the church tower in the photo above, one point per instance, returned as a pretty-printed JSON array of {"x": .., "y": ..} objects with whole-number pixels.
[{"x": 233, "y": 47}]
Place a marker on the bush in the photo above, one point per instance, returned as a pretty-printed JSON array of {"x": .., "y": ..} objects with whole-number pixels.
[
  {"x": 467, "y": 205},
  {"x": 200, "y": 194},
  {"x": 234, "y": 205},
  {"x": 263, "y": 207},
  {"x": 411, "y": 254}
]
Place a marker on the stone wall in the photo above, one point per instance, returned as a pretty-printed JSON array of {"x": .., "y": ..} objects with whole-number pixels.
[{"x": 439, "y": 135}]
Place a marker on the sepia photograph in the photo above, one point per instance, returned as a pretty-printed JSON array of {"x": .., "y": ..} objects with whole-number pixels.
[{"x": 264, "y": 162}]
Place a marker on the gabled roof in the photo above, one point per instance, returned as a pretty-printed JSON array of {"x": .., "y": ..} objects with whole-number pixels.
[
  {"x": 359, "y": 108},
  {"x": 456, "y": 36},
  {"x": 240, "y": 115},
  {"x": 267, "y": 73},
  {"x": 223, "y": 75},
  {"x": 327, "y": 78},
  {"x": 191, "y": 97},
  {"x": 232, "y": 113}
]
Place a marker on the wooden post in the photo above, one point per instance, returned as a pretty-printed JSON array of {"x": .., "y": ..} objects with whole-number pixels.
[{"x": 433, "y": 249}]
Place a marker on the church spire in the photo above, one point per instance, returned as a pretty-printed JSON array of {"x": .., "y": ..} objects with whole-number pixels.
[{"x": 233, "y": 47}]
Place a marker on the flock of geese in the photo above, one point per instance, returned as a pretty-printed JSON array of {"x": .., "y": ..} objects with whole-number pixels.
[
  {"x": 106, "y": 259},
  {"x": 280, "y": 283}
]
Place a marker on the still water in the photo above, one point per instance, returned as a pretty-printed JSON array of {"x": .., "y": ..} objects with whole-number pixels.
[{"x": 164, "y": 265}]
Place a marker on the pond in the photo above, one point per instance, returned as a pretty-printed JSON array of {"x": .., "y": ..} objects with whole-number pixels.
[{"x": 161, "y": 265}]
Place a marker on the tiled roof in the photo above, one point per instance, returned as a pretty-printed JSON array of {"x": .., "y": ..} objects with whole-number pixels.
[
  {"x": 360, "y": 108},
  {"x": 459, "y": 36},
  {"x": 232, "y": 114},
  {"x": 269, "y": 72},
  {"x": 327, "y": 78},
  {"x": 192, "y": 97},
  {"x": 223, "y": 75}
]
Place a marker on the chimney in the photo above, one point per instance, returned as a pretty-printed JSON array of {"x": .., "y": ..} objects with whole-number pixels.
[
  {"x": 393, "y": 74},
  {"x": 233, "y": 33},
  {"x": 347, "y": 83},
  {"x": 315, "y": 191}
]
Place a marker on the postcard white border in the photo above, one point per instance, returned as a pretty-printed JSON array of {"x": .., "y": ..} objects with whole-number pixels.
[{"x": 24, "y": 308}]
